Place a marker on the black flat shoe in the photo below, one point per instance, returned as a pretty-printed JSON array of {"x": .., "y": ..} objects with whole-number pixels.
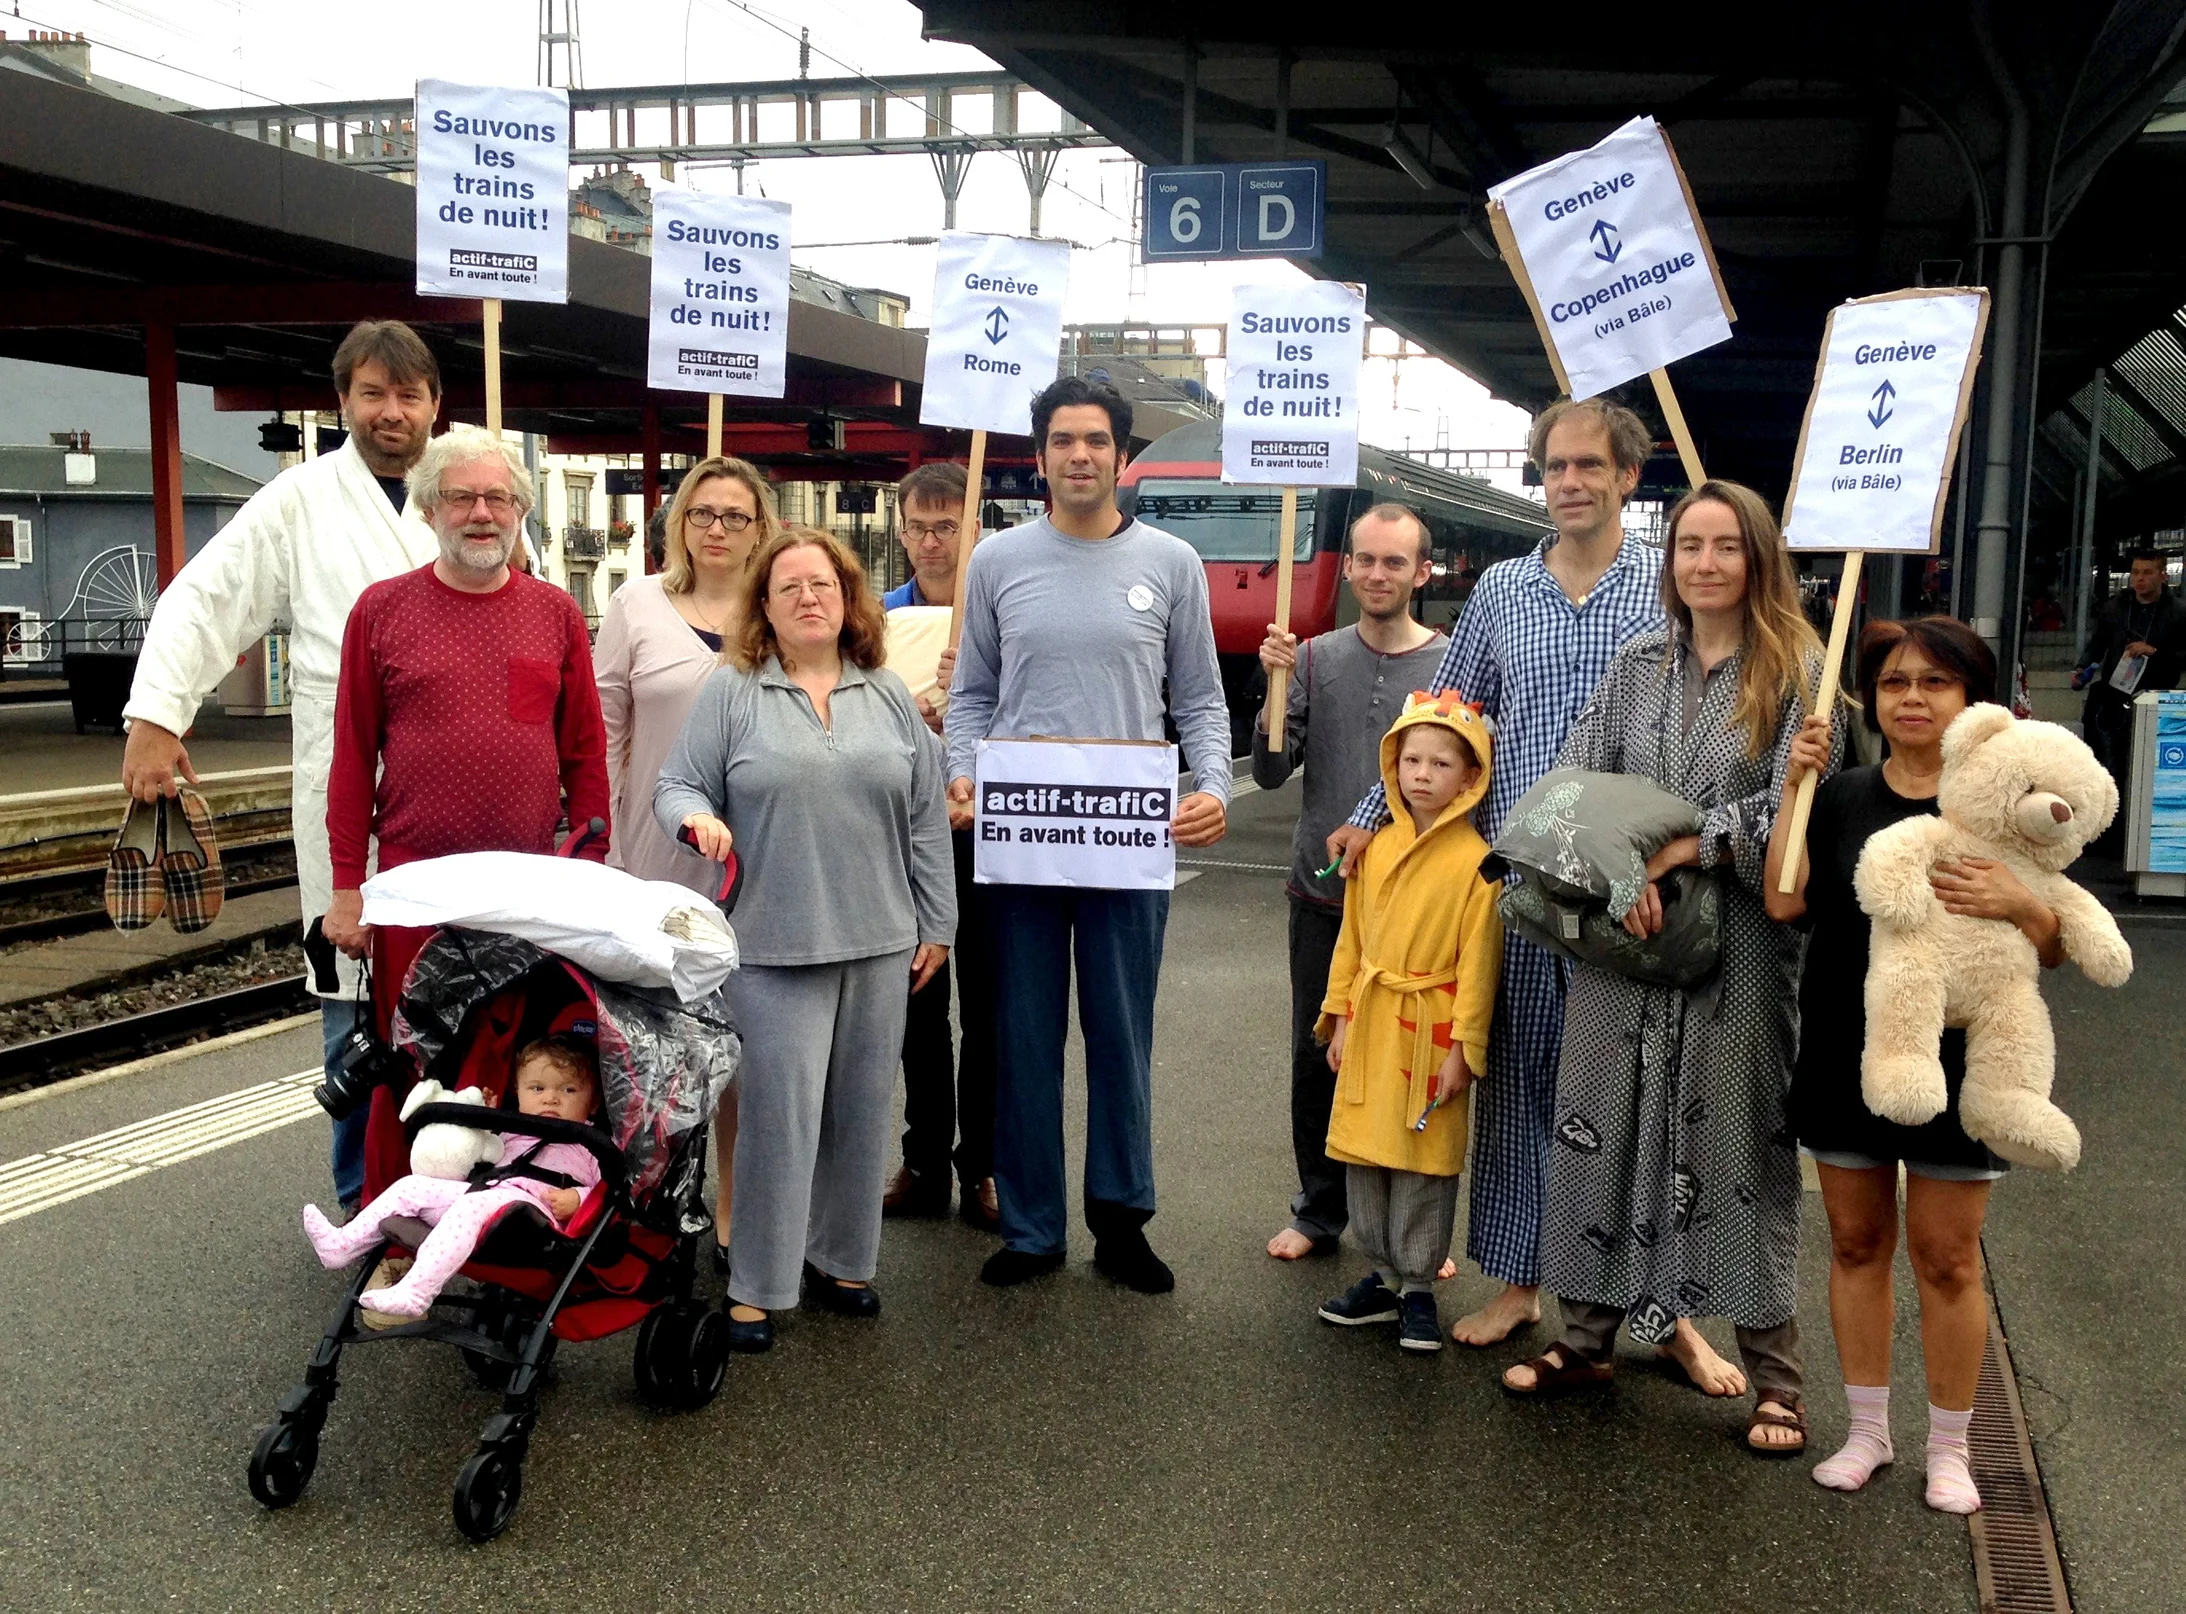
[
  {"x": 749, "y": 1339},
  {"x": 1007, "y": 1266},
  {"x": 1131, "y": 1261},
  {"x": 843, "y": 1299}
]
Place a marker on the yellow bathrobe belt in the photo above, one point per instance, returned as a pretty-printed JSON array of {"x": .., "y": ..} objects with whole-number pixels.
[{"x": 1395, "y": 982}]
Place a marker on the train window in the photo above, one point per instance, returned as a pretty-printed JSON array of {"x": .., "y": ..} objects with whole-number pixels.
[{"x": 1223, "y": 522}]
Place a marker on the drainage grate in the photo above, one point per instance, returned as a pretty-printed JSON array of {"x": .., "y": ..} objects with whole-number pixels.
[{"x": 2015, "y": 1562}]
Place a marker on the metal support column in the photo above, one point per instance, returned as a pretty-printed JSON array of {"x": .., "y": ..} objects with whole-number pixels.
[
  {"x": 1038, "y": 164},
  {"x": 160, "y": 382},
  {"x": 951, "y": 164},
  {"x": 1992, "y": 526},
  {"x": 649, "y": 445},
  {"x": 2084, "y": 587}
]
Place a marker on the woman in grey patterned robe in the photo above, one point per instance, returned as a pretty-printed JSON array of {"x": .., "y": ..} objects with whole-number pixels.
[{"x": 1674, "y": 1184}]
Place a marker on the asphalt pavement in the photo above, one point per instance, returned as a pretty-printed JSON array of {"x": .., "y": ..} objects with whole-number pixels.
[{"x": 1066, "y": 1444}]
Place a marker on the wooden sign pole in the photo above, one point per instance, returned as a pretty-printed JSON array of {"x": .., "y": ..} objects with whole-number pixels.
[
  {"x": 967, "y": 532},
  {"x": 1278, "y": 708},
  {"x": 491, "y": 317},
  {"x": 713, "y": 425},
  {"x": 1687, "y": 451},
  {"x": 1840, "y": 628}
]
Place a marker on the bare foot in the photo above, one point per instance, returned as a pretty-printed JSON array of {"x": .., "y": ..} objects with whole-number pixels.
[
  {"x": 1710, "y": 1374},
  {"x": 1290, "y": 1245},
  {"x": 741, "y": 1313},
  {"x": 1516, "y": 1307},
  {"x": 1448, "y": 1270},
  {"x": 1775, "y": 1436}
]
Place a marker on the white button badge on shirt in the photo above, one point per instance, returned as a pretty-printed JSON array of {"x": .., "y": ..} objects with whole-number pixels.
[{"x": 1139, "y": 597}]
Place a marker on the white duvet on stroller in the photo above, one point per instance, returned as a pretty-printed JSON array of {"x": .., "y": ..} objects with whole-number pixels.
[{"x": 620, "y": 928}]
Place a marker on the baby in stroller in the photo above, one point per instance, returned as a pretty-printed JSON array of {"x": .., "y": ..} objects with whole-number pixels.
[{"x": 557, "y": 1076}]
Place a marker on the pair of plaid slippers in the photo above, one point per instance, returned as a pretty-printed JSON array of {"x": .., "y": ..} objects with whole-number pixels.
[{"x": 166, "y": 861}]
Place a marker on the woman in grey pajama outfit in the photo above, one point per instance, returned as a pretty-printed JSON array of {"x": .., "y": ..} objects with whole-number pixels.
[
  {"x": 1674, "y": 1182},
  {"x": 810, "y": 760}
]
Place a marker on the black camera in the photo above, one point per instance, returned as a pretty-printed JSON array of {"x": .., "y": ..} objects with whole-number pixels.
[{"x": 363, "y": 1063}]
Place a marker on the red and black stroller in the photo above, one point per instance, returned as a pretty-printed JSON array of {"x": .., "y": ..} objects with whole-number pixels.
[{"x": 627, "y": 1259}]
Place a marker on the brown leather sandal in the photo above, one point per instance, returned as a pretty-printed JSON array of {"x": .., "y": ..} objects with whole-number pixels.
[
  {"x": 1764, "y": 1418},
  {"x": 1556, "y": 1370}
]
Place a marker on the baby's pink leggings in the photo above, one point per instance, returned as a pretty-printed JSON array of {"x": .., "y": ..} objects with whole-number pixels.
[{"x": 459, "y": 1216}]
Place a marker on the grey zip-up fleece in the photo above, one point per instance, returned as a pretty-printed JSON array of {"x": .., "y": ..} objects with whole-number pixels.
[{"x": 842, "y": 832}]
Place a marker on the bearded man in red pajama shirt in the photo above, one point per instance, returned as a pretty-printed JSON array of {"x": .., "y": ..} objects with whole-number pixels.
[{"x": 466, "y": 710}]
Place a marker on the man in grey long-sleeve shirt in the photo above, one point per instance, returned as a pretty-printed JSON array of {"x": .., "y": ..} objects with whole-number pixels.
[
  {"x": 1071, "y": 626},
  {"x": 1346, "y": 688}
]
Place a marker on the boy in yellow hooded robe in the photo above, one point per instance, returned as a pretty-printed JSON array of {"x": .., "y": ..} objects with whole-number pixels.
[{"x": 1410, "y": 994}]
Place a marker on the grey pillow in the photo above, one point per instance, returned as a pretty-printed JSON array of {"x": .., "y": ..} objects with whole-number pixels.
[{"x": 1578, "y": 843}]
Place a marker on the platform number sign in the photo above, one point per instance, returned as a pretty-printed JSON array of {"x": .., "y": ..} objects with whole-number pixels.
[{"x": 1235, "y": 210}]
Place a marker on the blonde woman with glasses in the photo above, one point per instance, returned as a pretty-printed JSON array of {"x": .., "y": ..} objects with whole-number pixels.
[{"x": 659, "y": 642}]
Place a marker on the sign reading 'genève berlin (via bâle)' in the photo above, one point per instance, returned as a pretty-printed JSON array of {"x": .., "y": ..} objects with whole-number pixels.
[
  {"x": 1091, "y": 813},
  {"x": 1291, "y": 414},
  {"x": 492, "y": 192},
  {"x": 1881, "y": 433},
  {"x": 720, "y": 315},
  {"x": 997, "y": 330},
  {"x": 1609, "y": 250}
]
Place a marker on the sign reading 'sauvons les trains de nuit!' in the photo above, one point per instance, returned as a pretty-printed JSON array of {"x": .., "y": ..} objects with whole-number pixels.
[{"x": 492, "y": 192}]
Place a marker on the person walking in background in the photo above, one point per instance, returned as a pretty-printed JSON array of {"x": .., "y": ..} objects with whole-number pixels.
[
  {"x": 1535, "y": 638},
  {"x": 1346, "y": 688},
  {"x": 1072, "y": 626},
  {"x": 1675, "y": 1188},
  {"x": 948, "y": 1093},
  {"x": 661, "y": 639},
  {"x": 300, "y": 552},
  {"x": 808, "y": 758},
  {"x": 2143, "y": 628},
  {"x": 466, "y": 711},
  {"x": 1914, "y": 678}
]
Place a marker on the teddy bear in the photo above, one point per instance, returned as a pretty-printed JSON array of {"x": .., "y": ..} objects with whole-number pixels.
[
  {"x": 2030, "y": 796},
  {"x": 442, "y": 1150}
]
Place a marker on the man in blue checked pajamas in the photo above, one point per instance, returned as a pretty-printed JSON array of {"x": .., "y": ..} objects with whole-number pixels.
[{"x": 1535, "y": 638}]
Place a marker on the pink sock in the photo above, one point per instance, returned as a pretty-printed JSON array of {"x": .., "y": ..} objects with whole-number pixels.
[
  {"x": 1867, "y": 1448},
  {"x": 1950, "y": 1474}
]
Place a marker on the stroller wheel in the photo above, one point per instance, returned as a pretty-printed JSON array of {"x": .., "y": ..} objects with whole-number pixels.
[
  {"x": 487, "y": 1491},
  {"x": 282, "y": 1461},
  {"x": 682, "y": 1356}
]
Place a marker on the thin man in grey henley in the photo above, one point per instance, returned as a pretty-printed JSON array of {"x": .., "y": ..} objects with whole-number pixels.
[
  {"x": 1072, "y": 637},
  {"x": 842, "y": 831}
]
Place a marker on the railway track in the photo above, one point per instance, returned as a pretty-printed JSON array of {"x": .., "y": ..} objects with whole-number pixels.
[
  {"x": 86, "y": 921},
  {"x": 41, "y": 1060}
]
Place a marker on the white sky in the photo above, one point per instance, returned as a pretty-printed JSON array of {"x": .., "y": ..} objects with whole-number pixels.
[{"x": 231, "y": 52}]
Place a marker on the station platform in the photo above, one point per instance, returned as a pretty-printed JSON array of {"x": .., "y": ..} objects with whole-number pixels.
[{"x": 1064, "y": 1445}]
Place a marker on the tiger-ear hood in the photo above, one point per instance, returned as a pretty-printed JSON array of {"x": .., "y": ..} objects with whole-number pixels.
[{"x": 1450, "y": 711}]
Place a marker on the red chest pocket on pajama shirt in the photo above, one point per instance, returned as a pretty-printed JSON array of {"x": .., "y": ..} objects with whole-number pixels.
[{"x": 534, "y": 687}]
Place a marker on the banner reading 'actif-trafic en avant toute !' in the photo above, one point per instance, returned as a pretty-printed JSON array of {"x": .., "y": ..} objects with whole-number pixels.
[
  {"x": 492, "y": 192},
  {"x": 997, "y": 330},
  {"x": 1076, "y": 813}
]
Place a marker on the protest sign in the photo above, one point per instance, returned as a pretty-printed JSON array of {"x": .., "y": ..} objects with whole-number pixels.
[
  {"x": 996, "y": 341},
  {"x": 1091, "y": 813},
  {"x": 1608, "y": 248},
  {"x": 492, "y": 192},
  {"x": 1881, "y": 431},
  {"x": 1292, "y": 413},
  {"x": 720, "y": 315},
  {"x": 1873, "y": 466}
]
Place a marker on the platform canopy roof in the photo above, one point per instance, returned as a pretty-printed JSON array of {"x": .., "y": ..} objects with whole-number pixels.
[
  {"x": 115, "y": 216},
  {"x": 1833, "y": 151}
]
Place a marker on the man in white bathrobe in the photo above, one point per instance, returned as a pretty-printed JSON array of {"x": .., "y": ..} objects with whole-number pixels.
[{"x": 300, "y": 552}]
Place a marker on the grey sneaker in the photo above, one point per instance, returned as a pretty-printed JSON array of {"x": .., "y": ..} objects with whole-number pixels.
[
  {"x": 1367, "y": 1301},
  {"x": 1420, "y": 1328}
]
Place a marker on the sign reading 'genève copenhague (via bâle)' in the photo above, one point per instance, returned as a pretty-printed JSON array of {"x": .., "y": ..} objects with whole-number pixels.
[
  {"x": 1881, "y": 433},
  {"x": 997, "y": 330},
  {"x": 492, "y": 192},
  {"x": 720, "y": 320},
  {"x": 1091, "y": 813},
  {"x": 1292, "y": 411},
  {"x": 1609, "y": 250}
]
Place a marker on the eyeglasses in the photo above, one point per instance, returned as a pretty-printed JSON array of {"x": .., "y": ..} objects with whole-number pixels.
[
  {"x": 1934, "y": 683},
  {"x": 821, "y": 589},
  {"x": 463, "y": 499},
  {"x": 728, "y": 520},
  {"x": 946, "y": 531}
]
